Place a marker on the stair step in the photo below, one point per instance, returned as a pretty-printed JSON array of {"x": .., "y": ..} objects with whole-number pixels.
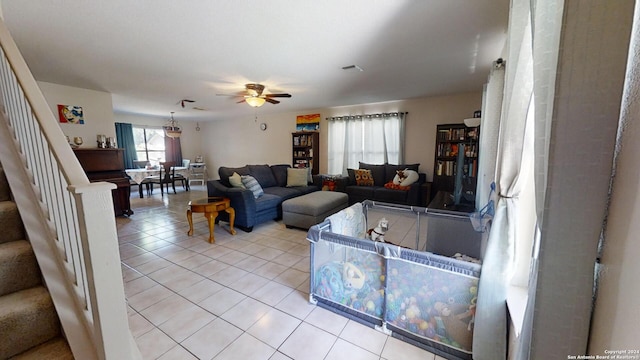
[
  {"x": 10, "y": 222},
  {"x": 55, "y": 349},
  {"x": 18, "y": 267},
  {"x": 5, "y": 192},
  {"x": 27, "y": 319}
]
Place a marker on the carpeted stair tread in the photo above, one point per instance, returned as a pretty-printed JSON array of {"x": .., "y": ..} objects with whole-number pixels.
[
  {"x": 18, "y": 267},
  {"x": 10, "y": 222},
  {"x": 55, "y": 349},
  {"x": 5, "y": 192},
  {"x": 27, "y": 319}
]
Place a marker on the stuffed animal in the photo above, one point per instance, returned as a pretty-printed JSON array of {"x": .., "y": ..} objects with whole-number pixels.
[
  {"x": 405, "y": 177},
  {"x": 377, "y": 233},
  {"x": 352, "y": 276}
]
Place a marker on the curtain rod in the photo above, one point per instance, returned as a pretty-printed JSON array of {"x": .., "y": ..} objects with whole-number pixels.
[{"x": 367, "y": 116}]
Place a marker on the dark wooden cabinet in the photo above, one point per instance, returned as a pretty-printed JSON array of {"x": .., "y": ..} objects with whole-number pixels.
[
  {"x": 457, "y": 149},
  {"x": 305, "y": 149},
  {"x": 108, "y": 165}
]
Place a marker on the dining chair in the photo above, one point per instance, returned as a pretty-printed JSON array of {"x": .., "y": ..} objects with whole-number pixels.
[{"x": 165, "y": 177}]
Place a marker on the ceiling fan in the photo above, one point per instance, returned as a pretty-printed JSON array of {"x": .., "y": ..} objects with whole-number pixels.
[{"x": 255, "y": 98}]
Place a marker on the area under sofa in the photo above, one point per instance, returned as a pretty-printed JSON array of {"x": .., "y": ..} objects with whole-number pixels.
[{"x": 249, "y": 210}]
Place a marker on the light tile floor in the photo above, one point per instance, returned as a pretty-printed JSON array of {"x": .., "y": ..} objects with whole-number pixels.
[{"x": 244, "y": 297}]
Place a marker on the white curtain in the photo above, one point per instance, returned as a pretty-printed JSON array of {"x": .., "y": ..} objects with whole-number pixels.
[
  {"x": 514, "y": 147},
  {"x": 489, "y": 130},
  {"x": 520, "y": 170},
  {"x": 374, "y": 139}
]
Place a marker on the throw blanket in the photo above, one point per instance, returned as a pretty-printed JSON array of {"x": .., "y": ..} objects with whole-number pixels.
[{"x": 349, "y": 222}]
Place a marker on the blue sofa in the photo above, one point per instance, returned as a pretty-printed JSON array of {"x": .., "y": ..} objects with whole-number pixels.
[{"x": 249, "y": 210}]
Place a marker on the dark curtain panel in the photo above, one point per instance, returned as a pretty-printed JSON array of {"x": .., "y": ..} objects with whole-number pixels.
[
  {"x": 124, "y": 137},
  {"x": 172, "y": 150}
]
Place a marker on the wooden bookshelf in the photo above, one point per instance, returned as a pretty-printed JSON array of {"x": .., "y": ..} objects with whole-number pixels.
[
  {"x": 450, "y": 138},
  {"x": 305, "y": 150}
]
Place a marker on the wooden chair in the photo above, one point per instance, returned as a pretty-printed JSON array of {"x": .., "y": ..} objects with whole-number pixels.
[{"x": 166, "y": 177}]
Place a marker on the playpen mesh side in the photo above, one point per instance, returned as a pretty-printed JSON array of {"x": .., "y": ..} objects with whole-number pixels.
[
  {"x": 430, "y": 302},
  {"x": 423, "y": 298},
  {"x": 346, "y": 277}
]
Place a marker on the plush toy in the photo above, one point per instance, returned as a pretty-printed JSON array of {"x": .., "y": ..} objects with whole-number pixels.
[
  {"x": 377, "y": 233},
  {"x": 405, "y": 177},
  {"x": 352, "y": 276},
  {"x": 451, "y": 318}
]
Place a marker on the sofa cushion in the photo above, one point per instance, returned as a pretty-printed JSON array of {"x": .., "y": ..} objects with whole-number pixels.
[
  {"x": 225, "y": 172},
  {"x": 252, "y": 185},
  {"x": 297, "y": 177},
  {"x": 280, "y": 173},
  {"x": 282, "y": 192},
  {"x": 366, "y": 192},
  {"x": 390, "y": 195},
  {"x": 352, "y": 176},
  {"x": 390, "y": 170},
  {"x": 263, "y": 174},
  {"x": 267, "y": 201},
  {"x": 377, "y": 171}
]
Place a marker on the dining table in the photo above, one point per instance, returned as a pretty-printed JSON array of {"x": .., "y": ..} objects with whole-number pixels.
[{"x": 138, "y": 175}]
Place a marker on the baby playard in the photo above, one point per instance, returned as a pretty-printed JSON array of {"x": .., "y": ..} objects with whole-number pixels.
[{"x": 396, "y": 282}]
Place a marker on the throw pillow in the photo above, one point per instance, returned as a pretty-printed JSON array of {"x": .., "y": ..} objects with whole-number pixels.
[
  {"x": 297, "y": 177},
  {"x": 252, "y": 184},
  {"x": 236, "y": 181},
  {"x": 328, "y": 183},
  {"x": 363, "y": 177}
]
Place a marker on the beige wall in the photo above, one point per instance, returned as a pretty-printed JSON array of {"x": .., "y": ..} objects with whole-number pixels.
[
  {"x": 190, "y": 140},
  {"x": 96, "y": 105},
  {"x": 239, "y": 141}
]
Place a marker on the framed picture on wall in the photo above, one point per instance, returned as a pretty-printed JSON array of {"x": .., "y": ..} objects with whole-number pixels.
[
  {"x": 70, "y": 114},
  {"x": 308, "y": 122}
]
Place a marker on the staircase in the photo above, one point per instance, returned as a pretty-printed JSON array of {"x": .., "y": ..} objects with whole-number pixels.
[{"x": 29, "y": 324}]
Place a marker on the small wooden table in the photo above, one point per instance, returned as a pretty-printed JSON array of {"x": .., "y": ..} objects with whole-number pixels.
[{"x": 210, "y": 207}]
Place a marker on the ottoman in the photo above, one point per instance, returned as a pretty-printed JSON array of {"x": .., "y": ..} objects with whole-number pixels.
[{"x": 310, "y": 209}]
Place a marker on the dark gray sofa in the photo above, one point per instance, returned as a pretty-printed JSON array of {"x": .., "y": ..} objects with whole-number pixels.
[
  {"x": 383, "y": 174},
  {"x": 249, "y": 210}
]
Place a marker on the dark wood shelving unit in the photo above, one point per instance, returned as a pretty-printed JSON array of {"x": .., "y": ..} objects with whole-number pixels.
[
  {"x": 450, "y": 138},
  {"x": 305, "y": 150}
]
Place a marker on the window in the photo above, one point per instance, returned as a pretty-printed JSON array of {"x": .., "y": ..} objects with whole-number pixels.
[
  {"x": 149, "y": 143},
  {"x": 373, "y": 139}
]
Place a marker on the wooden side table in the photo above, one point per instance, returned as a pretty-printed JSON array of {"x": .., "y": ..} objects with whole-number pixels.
[{"x": 210, "y": 207}]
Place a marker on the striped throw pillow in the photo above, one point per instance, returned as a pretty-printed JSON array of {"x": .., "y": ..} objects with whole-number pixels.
[{"x": 252, "y": 184}]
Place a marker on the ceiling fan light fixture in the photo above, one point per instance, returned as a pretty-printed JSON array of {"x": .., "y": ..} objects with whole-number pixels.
[{"x": 254, "y": 101}]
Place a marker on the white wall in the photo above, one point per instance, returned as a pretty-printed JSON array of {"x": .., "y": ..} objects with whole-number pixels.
[
  {"x": 616, "y": 318},
  {"x": 583, "y": 135},
  {"x": 190, "y": 140},
  {"x": 239, "y": 141},
  {"x": 96, "y": 105}
]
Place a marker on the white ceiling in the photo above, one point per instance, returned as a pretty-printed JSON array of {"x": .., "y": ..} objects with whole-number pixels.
[{"x": 151, "y": 53}]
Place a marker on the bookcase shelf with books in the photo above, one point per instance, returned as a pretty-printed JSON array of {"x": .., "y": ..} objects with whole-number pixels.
[
  {"x": 450, "y": 140},
  {"x": 305, "y": 150}
]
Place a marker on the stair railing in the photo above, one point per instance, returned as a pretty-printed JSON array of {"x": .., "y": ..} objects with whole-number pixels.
[{"x": 68, "y": 220}]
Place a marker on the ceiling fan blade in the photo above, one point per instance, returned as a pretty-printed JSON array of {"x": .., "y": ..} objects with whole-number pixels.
[
  {"x": 241, "y": 101},
  {"x": 273, "y": 101},
  {"x": 278, "y": 95}
]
